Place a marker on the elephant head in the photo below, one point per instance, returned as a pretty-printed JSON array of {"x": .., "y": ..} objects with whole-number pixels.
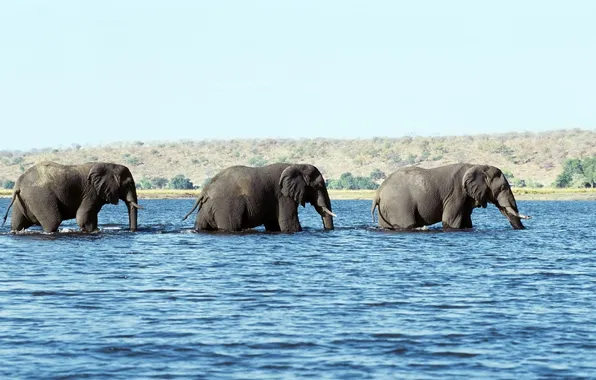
[
  {"x": 487, "y": 184},
  {"x": 113, "y": 182},
  {"x": 304, "y": 183}
]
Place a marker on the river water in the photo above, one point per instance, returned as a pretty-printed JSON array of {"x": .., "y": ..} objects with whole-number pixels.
[{"x": 355, "y": 302}]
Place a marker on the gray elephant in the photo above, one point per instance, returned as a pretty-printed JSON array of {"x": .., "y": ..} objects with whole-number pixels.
[
  {"x": 415, "y": 197},
  {"x": 48, "y": 193},
  {"x": 242, "y": 197}
]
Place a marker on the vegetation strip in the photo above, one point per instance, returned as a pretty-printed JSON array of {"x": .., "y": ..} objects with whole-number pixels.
[
  {"x": 520, "y": 194},
  {"x": 551, "y": 159}
]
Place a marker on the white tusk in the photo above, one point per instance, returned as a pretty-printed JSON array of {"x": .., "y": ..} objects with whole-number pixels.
[
  {"x": 133, "y": 204},
  {"x": 327, "y": 211},
  {"x": 517, "y": 215}
]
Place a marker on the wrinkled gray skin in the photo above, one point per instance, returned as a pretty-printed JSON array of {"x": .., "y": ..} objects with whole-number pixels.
[
  {"x": 242, "y": 197},
  {"x": 48, "y": 193},
  {"x": 414, "y": 197}
]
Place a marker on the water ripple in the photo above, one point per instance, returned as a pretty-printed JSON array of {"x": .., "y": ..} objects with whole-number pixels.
[{"x": 356, "y": 302}]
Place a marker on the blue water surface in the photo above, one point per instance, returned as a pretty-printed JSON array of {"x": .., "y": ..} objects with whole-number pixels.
[{"x": 356, "y": 302}]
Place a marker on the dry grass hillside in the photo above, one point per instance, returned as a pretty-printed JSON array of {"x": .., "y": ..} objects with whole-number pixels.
[{"x": 534, "y": 157}]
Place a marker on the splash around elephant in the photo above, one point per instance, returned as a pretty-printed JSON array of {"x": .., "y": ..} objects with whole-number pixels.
[
  {"x": 48, "y": 193},
  {"x": 415, "y": 197},
  {"x": 242, "y": 197}
]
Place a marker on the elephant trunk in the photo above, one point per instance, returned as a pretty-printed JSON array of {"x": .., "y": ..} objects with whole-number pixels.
[
  {"x": 132, "y": 206},
  {"x": 132, "y": 217},
  {"x": 323, "y": 207},
  {"x": 508, "y": 207}
]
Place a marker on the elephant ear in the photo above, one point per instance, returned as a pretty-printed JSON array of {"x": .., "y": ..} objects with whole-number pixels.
[
  {"x": 475, "y": 184},
  {"x": 105, "y": 181},
  {"x": 293, "y": 184}
]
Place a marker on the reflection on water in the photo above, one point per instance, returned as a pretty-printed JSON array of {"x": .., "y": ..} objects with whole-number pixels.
[{"x": 354, "y": 302}]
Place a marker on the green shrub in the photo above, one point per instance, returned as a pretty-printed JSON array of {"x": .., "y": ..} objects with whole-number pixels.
[
  {"x": 144, "y": 184},
  {"x": 257, "y": 161},
  {"x": 181, "y": 182},
  {"x": 577, "y": 173},
  {"x": 159, "y": 182},
  {"x": 377, "y": 174},
  {"x": 132, "y": 161},
  {"x": 348, "y": 182},
  {"x": 7, "y": 184}
]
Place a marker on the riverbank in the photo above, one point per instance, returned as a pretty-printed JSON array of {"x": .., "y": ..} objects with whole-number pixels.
[{"x": 545, "y": 194}]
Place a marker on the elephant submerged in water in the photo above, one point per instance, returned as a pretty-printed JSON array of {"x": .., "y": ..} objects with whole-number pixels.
[
  {"x": 415, "y": 197},
  {"x": 242, "y": 197},
  {"x": 48, "y": 193}
]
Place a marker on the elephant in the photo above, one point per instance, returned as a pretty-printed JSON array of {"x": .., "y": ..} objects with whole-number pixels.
[
  {"x": 48, "y": 193},
  {"x": 243, "y": 197},
  {"x": 414, "y": 197}
]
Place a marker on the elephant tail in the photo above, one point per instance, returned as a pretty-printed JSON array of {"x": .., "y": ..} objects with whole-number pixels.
[
  {"x": 199, "y": 202},
  {"x": 15, "y": 194},
  {"x": 374, "y": 206}
]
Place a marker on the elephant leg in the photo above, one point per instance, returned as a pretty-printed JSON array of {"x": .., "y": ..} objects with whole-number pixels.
[
  {"x": 455, "y": 217},
  {"x": 288, "y": 216},
  {"x": 272, "y": 226},
  {"x": 202, "y": 224},
  {"x": 50, "y": 221},
  {"x": 45, "y": 208},
  {"x": 400, "y": 217},
  {"x": 453, "y": 222},
  {"x": 290, "y": 225},
  {"x": 19, "y": 221},
  {"x": 87, "y": 220},
  {"x": 228, "y": 222},
  {"x": 222, "y": 214},
  {"x": 467, "y": 221},
  {"x": 386, "y": 224}
]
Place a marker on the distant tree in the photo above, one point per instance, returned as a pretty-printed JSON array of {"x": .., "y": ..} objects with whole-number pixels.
[
  {"x": 144, "y": 184},
  {"x": 159, "y": 182},
  {"x": 257, "y": 161},
  {"x": 7, "y": 184},
  {"x": 572, "y": 170},
  {"x": 534, "y": 184},
  {"x": 517, "y": 182},
  {"x": 132, "y": 161},
  {"x": 181, "y": 182},
  {"x": 508, "y": 174},
  {"x": 411, "y": 159},
  {"x": 347, "y": 181},
  {"x": 377, "y": 174},
  {"x": 589, "y": 170}
]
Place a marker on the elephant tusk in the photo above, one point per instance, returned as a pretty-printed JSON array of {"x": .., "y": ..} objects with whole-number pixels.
[
  {"x": 133, "y": 204},
  {"x": 327, "y": 211},
  {"x": 517, "y": 215}
]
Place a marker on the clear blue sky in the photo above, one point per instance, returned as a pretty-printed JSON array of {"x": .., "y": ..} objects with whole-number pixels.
[{"x": 94, "y": 72}]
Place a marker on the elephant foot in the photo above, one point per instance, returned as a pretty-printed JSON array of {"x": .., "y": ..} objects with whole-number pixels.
[{"x": 90, "y": 231}]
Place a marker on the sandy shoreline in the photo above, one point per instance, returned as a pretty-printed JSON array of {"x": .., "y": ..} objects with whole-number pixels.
[{"x": 520, "y": 194}]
